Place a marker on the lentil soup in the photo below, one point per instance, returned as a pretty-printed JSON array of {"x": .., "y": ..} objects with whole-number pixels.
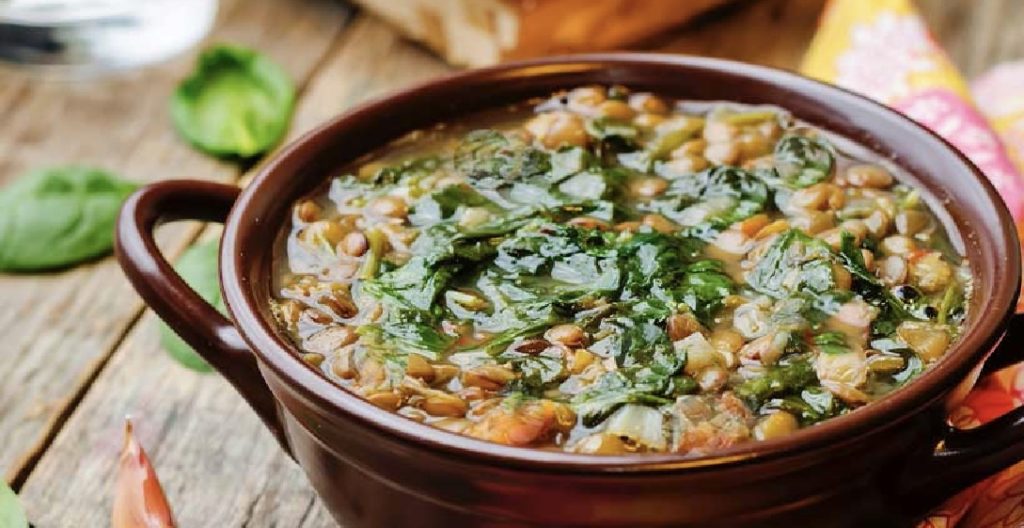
[{"x": 609, "y": 272}]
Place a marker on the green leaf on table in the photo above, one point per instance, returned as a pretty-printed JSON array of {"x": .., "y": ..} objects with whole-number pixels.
[
  {"x": 56, "y": 217},
  {"x": 12, "y": 515},
  {"x": 236, "y": 103},
  {"x": 198, "y": 267}
]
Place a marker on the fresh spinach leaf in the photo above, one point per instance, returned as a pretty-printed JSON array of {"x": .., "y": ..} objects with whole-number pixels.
[
  {"x": 198, "y": 267},
  {"x": 12, "y": 515},
  {"x": 237, "y": 102},
  {"x": 57, "y": 217}
]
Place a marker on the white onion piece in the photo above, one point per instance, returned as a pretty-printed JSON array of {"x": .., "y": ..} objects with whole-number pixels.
[{"x": 643, "y": 425}]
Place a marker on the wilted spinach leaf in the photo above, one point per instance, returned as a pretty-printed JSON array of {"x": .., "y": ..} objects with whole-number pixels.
[
  {"x": 491, "y": 159},
  {"x": 237, "y": 102},
  {"x": 198, "y": 267},
  {"x": 794, "y": 263},
  {"x": 602, "y": 129},
  {"x": 407, "y": 332},
  {"x": 704, "y": 288},
  {"x": 608, "y": 393},
  {"x": 441, "y": 205},
  {"x": 414, "y": 285},
  {"x": 793, "y": 374},
  {"x": 740, "y": 193},
  {"x": 57, "y": 217},
  {"x": 831, "y": 343},
  {"x": 802, "y": 161},
  {"x": 871, "y": 289},
  {"x": 811, "y": 406}
]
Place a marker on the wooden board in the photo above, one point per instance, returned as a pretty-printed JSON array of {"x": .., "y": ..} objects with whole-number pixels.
[
  {"x": 58, "y": 329},
  {"x": 769, "y": 32},
  {"x": 219, "y": 467}
]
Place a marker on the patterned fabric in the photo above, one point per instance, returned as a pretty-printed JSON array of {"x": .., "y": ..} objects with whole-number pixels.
[{"x": 882, "y": 49}]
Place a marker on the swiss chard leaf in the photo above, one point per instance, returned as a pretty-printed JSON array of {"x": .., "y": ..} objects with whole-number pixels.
[
  {"x": 654, "y": 258},
  {"x": 636, "y": 339},
  {"x": 57, "y": 217},
  {"x": 237, "y": 102}
]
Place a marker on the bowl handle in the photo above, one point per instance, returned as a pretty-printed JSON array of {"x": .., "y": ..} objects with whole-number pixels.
[
  {"x": 963, "y": 457},
  {"x": 209, "y": 332}
]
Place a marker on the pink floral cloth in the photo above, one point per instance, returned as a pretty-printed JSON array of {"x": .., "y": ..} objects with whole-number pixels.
[{"x": 882, "y": 49}]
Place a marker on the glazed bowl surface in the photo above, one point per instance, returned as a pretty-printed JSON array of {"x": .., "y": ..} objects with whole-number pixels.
[{"x": 884, "y": 464}]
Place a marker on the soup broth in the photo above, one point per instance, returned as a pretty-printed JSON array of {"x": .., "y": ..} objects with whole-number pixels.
[{"x": 610, "y": 272}]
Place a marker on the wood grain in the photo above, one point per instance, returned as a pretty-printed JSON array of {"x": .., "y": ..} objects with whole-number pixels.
[
  {"x": 58, "y": 329},
  {"x": 217, "y": 463},
  {"x": 769, "y": 32}
]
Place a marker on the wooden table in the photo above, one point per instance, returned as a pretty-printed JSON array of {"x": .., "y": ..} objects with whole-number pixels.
[{"x": 79, "y": 352}]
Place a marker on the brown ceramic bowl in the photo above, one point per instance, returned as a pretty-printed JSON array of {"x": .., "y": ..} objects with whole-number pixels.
[{"x": 881, "y": 465}]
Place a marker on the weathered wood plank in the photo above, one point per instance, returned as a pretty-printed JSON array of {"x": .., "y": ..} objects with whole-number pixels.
[
  {"x": 59, "y": 328},
  {"x": 218, "y": 465},
  {"x": 769, "y": 32}
]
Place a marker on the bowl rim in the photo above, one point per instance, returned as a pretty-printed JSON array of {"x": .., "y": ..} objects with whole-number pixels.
[{"x": 282, "y": 360}]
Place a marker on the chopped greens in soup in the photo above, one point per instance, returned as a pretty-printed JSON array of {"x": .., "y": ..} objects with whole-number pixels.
[{"x": 609, "y": 272}]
